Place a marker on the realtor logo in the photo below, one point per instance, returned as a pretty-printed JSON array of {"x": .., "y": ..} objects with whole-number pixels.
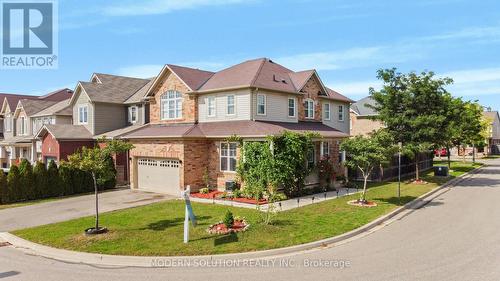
[{"x": 29, "y": 35}]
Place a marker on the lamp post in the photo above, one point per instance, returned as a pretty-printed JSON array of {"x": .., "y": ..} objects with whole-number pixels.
[{"x": 400, "y": 146}]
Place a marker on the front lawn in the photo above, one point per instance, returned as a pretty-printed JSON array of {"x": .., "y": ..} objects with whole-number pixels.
[{"x": 157, "y": 229}]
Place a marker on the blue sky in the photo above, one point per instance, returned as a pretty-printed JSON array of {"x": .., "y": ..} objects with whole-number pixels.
[{"x": 346, "y": 41}]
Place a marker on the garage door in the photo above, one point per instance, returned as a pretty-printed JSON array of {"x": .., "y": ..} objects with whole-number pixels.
[{"x": 159, "y": 175}]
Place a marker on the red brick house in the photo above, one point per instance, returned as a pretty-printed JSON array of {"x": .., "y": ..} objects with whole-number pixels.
[{"x": 193, "y": 112}]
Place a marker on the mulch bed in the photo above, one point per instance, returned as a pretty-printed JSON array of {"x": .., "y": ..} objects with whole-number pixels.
[
  {"x": 216, "y": 195},
  {"x": 419, "y": 182},
  {"x": 367, "y": 204},
  {"x": 221, "y": 228}
]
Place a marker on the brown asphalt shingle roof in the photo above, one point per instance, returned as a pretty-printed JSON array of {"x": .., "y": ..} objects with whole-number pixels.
[
  {"x": 60, "y": 108},
  {"x": 113, "y": 89},
  {"x": 59, "y": 95},
  {"x": 244, "y": 128},
  {"x": 34, "y": 106},
  {"x": 139, "y": 95},
  {"x": 65, "y": 131},
  {"x": 194, "y": 78}
]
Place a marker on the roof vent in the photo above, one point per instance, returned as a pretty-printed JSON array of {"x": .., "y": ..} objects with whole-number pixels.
[
  {"x": 271, "y": 61},
  {"x": 283, "y": 81}
]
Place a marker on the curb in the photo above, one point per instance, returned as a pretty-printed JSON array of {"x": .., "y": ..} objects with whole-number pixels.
[{"x": 176, "y": 261}]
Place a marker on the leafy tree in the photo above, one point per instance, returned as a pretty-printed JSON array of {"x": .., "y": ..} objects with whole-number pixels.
[
  {"x": 27, "y": 180},
  {"x": 4, "y": 192},
  {"x": 469, "y": 129},
  {"x": 53, "y": 180},
  {"x": 41, "y": 180},
  {"x": 412, "y": 107},
  {"x": 94, "y": 161},
  {"x": 14, "y": 184},
  {"x": 367, "y": 153}
]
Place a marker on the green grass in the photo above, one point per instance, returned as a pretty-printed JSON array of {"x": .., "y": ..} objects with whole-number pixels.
[{"x": 157, "y": 229}]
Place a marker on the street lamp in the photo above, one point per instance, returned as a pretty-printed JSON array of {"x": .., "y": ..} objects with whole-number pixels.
[{"x": 400, "y": 147}]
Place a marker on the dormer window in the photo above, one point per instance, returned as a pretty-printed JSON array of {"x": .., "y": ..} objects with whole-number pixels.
[
  {"x": 171, "y": 105},
  {"x": 132, "y": 114},
  {"x": 309, "y": 109}
]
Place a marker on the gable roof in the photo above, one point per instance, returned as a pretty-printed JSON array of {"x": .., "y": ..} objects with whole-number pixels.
[
  {"x": 31, "y": 107},
  {"x": 65, "y": 131},
  {"x": 257, "y": 73},
  {"x": 112, "y": 88},
  {"x": 361, "y": 109},
  {"x": 141, "y": 93},
  {"x": 11, "y": 100},
  {"x": 60, "y": 108}
]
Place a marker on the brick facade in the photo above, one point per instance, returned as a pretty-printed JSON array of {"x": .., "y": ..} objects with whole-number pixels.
[
  {"x": 311, "y": 90},
  {"x": 61, "y": 149},
  {"x": 189, "y": 107}
]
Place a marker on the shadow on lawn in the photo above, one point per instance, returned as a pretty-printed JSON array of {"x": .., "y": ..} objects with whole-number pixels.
[
  {"x": 164, "y": 224},
  {"x": 228, "y": 238}
]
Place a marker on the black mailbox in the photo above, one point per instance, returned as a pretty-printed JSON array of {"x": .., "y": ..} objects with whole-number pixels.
[{"x": 441, "y": 171}]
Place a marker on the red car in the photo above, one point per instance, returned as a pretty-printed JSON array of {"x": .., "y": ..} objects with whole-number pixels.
[{"x": 441, "y": 152}]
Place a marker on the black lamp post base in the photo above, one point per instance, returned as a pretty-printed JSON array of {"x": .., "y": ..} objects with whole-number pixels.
[{"x": 95, "y": 231}]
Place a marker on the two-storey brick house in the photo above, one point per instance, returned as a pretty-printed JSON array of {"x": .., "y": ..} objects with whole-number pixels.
[{"x": 194, "y": 112}]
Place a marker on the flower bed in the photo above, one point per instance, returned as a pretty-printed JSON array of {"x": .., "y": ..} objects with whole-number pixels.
[
  {"x": 219, "y": 195},
  {"x": 221, "y": 228}
]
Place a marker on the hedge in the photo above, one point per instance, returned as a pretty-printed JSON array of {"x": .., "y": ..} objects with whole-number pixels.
[{"x": 26, "y": 182}]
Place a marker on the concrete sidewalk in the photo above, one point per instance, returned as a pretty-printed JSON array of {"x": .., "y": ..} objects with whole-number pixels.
[{"x": 285, "y": 204}]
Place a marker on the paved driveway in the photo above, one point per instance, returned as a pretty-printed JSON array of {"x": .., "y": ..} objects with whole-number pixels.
[{"x": 74, "y": 207}]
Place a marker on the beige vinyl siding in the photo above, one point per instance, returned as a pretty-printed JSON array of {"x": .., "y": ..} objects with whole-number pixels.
[
  {"x": 141, "y": 115},
  {"x": 64, "y": 119},
  {"x": 343, "y": 126},
  {"x": 27, "y": 125},
  {"x": 9, "y": 134},
  {"x": 242, "y": 106},
  {"x": 83, "y": 99},
  {"x": 108, "y": 117},
  {"x": 276, "y": 107}
]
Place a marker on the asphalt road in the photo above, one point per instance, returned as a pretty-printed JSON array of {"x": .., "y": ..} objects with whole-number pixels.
[
  {"x": 73, "y": 207},
  {"x": 454, "y": 237}
]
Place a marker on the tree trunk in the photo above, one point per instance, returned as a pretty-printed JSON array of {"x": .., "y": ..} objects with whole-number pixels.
[
  {"x": 417, "y": 168},
  {"x": 474, "y": 154},
  {"x": 363, "y": 195},
  {"x": 449, "y": 157},
  {"x": 463, "y": 156},
  {"x": 96, "y": 201}
]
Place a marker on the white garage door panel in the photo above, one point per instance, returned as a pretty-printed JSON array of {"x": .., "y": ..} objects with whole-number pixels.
[{"x": 159, "y": 175}]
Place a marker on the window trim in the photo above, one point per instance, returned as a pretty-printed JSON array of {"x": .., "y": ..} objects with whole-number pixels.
[
  {"x": 84, "y": 107},
  {"x": 313, "y": 158},
  {"x": 227, "y": 105},
  {"x": 130, "y": 119},
  {"x": 214, "y": 106},
  {"x": 294, "y": 107},
  {"x": 323, "y": 143},
  {"x": 165, "y": 101},
  {"x": 23, "y": 126},
  {"x": 341, "y": 115},
  {"x": 265, "y": 104},
  {"x": 329, "y": 116},
  {"x": 8, "y": 123},
  {"x": 306, "y": 107},
  {"x": 228, "y": 157}
]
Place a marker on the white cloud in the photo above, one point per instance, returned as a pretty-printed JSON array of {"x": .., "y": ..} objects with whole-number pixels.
[
  {"x": 475, "y": 82},
  {"x": 355, "y": 88},
  {"x": 157, "y": 7},
  {"x": 140, "y": 71},
  {"x": 468, "y": 33}
]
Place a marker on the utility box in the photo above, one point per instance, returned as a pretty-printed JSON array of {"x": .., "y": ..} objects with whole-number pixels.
[{"x": 441, "y": 171}]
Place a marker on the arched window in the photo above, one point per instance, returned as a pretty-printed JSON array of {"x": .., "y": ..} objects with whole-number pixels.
[{"x": 171, "y": 105}]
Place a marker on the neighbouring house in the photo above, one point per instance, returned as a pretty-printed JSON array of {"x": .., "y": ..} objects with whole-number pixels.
[
  {"x": 361, "y": 117},
  {"x": 106, "y": 106},
  {"x": 193, "y": 112},
  {"x": 493, "y": 141},
  {"x": 21, "y": 120}
]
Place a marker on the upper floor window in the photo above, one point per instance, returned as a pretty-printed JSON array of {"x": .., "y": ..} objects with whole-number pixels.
[
  {"x": 228, "y": 156},
  {"x": 261, "y": 104},
  {"x": 291, "y": 107},
  {"x": 83, "y": 113},
  {"x": 230, "y": 105},
  {"x": 341, "y": 113},
  {"x": 22, "y": 128},
  {"x": 8, "y": 123},
  {"x": 171, "y": 105},
  {"x": 211, "y": 106},
  {"x": 309, "y": 109},
  {"x": 132, "y": 114},
  {"x": 326, "y": 111}
]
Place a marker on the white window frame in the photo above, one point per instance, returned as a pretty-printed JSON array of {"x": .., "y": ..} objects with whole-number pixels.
[
  {"x": 307, "y": 109},
  {"x": 225, "y": 156},
  {"x": 8, "y": 123},
  {"x": 211, "y": 106},
  {"x": 83, "y": 114},
  {"x": 165, "y": 102},
  {"x": 130, "y": 115},
  {"x": 294, "y": 107},
  {"x": 329, "y": 111},
  {"x": 325, "y": 147},
  {"x": 265, "y": 104},
  {"x": 229, "y": 105},
  {"x": 23, "y": 126},
  {"x": 341, "y": 113}
]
